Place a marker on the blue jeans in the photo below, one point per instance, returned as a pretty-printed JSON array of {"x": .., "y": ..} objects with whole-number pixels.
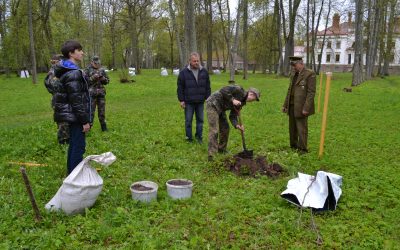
[
  {"x": 198, "y": 109},
  {"x": 77, "y": 145}
]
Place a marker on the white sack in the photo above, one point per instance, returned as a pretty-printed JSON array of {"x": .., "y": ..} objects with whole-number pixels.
[
  {"x": 81, "y": 187},
  {"x": 323, "y": 194},
  {"x": 176, "y": 72},
  {"x": 164, "y": 72}
]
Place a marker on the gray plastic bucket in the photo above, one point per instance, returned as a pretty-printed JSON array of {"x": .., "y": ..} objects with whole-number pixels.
[
  {"x": 179, "y": 191},
  {"x": 145, "y": 195}
]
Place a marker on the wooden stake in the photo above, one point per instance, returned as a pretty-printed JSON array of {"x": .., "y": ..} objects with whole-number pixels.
[
  {"x": 38, "y": 217},
  {"x": 321, "y": 74},
  {"x": 27, "y": 164},
  {"x": 325, "y": 113}
]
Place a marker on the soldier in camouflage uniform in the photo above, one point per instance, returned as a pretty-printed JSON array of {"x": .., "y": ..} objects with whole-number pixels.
[
  {"x": 97, "y": 79},
  {"x": 233, "y": 98},
  {"x": 52, "y": 83}
]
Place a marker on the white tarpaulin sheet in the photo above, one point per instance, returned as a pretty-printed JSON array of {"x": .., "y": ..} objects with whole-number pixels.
[{"x": 323, "y": 193}]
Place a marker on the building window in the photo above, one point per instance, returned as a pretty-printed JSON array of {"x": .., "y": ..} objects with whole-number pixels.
[
  {"x": 328, "y": 58},
  {"x": 319, "y": 57},
  {"x": 337, "y": 58},
  {"x": 349, "y": 59},
  {"x": 319, "y": 45},
  {"x": 329, "y": 45},
  {"x": 338, "y": 45}
]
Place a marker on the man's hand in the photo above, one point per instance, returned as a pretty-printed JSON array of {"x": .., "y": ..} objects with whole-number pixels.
[
  {"x": 95, "y": 76},
  {"x": 305, "y": 113},
  {"x": 236, "y": 102},
  {"x": 86, "y": 127},
  {"x": 284, "y": 110},
  {"x": 240, "y": 127},
  {"x": 183, "y": 105}
]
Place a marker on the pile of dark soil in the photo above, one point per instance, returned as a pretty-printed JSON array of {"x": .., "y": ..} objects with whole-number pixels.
[
  {"x": 253, "y": 167},
  {"x": 140, "y": 187}
]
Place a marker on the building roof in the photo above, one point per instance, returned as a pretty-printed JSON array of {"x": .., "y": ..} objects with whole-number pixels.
[{"x": 344, "y": 29}]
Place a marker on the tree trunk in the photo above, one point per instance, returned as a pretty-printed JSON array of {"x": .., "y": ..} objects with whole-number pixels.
[
  {"x": 289, "y": 41},
  {"x": 389, "y": 40},
  {"x": 245, "y": 38},
  {"x": 234, "y": 49},
  {"x": 372, "y": 37},
  {"x": 323, "y": 38},
  {"x": 45, "y": 7},
  {"x": 382, "y": 36},
  {"x": 179, "y": 44},
  {"x": 3, "y": 44},
  {"x": 190, "y": 28},
  {"x": 226, "y": 30},
  {"x": 308, "y": 35},
  {"x": 358, "y": 76},
  {"x": 32, "y": 43},
  {"x": 208, "y": 6}
]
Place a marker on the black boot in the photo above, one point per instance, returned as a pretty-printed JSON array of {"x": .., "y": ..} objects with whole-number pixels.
[{"x": 104, "y": 127}]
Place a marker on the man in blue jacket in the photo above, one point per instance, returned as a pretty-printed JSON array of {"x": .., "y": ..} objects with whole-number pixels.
[{"x": 193, "y": 89}]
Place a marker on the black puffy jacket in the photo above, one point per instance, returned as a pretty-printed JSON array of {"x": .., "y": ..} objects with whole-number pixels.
[
  {"x": 72, "y": 102},
  {"x": 191, "y": 91}
]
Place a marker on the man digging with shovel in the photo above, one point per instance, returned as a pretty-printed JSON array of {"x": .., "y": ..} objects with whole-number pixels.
[{"x": 233, "y": 98}]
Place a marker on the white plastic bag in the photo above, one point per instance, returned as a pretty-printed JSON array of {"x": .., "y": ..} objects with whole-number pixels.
[
  {"x": 81, "y": 187},
  {"x": 322, "y": 194}
]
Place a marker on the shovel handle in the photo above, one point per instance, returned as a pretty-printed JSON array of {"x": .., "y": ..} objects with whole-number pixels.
[{"x": 241, "y": 131}]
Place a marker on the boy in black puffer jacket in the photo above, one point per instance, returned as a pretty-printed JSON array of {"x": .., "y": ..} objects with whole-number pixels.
[{"x": 72, "y": 102}]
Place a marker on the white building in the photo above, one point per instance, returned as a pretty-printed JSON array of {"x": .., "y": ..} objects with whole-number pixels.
[{"x": 338, "y": 51}]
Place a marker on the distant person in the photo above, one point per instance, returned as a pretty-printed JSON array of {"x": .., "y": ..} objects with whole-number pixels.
[
  {"x": 72, "y": 102},
  {"x": 299, "y": 103},
  {"x": 53, "y": 85},
  {"x": 193, "y": 89},
  {"x": 233, "y": 98},
  {"x": 97, "y": 80}
]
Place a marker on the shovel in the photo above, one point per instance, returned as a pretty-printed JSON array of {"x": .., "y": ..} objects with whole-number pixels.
[{"x": 248, "y": 154}]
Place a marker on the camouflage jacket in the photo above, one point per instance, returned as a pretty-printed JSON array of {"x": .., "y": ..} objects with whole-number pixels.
[
  {"x": 51, "y": 82},
  {"x": 97, "y": 79},
  {"x": 222, "y": 100}
]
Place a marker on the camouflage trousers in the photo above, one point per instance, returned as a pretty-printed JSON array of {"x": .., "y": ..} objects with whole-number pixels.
[
  {"x": 100, "y": 102},
  {"x": 218, "y": 127},
  {"x": 63, "y": 132}
]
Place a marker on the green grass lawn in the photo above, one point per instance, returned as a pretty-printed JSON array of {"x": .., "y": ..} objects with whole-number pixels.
[{"x": 146, "y": 133}]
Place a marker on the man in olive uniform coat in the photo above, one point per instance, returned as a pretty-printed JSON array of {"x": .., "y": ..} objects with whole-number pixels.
[
  {"x": 233, "y": 98},
  {"x": 299, "y": 103},
  {"x": 97, "y": 79}
]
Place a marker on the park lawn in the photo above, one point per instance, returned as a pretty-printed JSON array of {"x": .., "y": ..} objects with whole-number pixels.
[{"x": 146, "y": 133}]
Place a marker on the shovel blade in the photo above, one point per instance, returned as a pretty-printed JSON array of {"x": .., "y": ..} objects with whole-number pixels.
[{"x": 246, "y": 154}]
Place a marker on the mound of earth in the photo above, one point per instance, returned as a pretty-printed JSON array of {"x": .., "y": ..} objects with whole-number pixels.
[{"x": 253, "y": 166}]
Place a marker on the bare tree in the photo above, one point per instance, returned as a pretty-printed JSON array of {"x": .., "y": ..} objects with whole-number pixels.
[
  {"x": 190, "y": 28},
  {"x": 179, "y": 43},
  {"x": 45, "y": 7},
  {"x": 235, "y": 46},
  {"x": 358, "y": 76},
  {"x": 289, "y": 38},
  {"x": 245, "y": 37},
  {"x": 3, "y": 45},
  {"x": 226, "y": 30},
  {"x": 323, "y": 39},
  {"x": 32, "y": 43},
  {"x": 374, "y": 12},
  {"x": 388, "y": 54},
  {"x": 208, "y": 12}
]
